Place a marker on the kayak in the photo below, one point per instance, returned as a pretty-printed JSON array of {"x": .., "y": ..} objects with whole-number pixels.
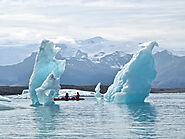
[{"x": 69, "y": 99}]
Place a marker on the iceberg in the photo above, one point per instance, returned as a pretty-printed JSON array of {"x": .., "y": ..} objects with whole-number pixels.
[
  {"x": 48, "y": 90},
  {"x": 25, "y": 95},
  {"x": 132, "y": 84},
  {"x": 45, "y": 65},
  {"x": 98, "y": 95},
  {"x": 97, "y": 90}
]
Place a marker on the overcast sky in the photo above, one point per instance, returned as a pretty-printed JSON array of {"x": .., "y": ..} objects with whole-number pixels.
[{"x": 29, "y": 21}]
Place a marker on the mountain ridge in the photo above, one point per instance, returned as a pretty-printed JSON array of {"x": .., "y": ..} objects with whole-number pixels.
[{"x": 84, "y": 70}]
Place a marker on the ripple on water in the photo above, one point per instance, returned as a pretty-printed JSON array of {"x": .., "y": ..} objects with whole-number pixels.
[{"x": 161, "y": 117}]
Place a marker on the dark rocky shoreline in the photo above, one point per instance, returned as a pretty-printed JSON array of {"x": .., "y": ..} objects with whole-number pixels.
[{"x": 7, "y": 90}]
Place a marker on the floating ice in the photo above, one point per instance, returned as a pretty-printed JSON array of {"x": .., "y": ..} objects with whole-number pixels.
[
  {"x": 25, "y": 95},
  {"x": 48, "y": 90},
  {"x": 45, "y": 64},
  {"x": 62, "y": 93},
  {"x": 97, "y": 90},
  {"x": 5, "y": 99},
  {"x": 25, "y": 91},
  {"x": 5, "y": 107},
  {"x": 132, "y": 84},
  {"x": 98, "y": 95},
  {"x": 72, "y": 93}
]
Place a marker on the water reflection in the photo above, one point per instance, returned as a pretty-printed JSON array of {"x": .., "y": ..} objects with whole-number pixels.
[
  {"x": 46, "y": 120},
  {"x": 99, "y": 101},
  {"x": 86, "y": 119},
  {"x": 6, "y": 107},
  {"x": 143, "y": 117}
]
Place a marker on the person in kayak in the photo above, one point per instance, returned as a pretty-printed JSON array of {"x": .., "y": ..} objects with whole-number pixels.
[
  {"x": 67, "y": 96},
  {"x": 77, "y": 96}
]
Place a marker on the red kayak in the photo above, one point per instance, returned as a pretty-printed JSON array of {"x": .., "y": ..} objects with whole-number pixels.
[{"x": 69, "y": 99}]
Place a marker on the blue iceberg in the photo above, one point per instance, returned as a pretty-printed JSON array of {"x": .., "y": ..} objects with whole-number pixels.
[
  {"x": 45, "y": 68},
  {"x": 132, "y": 83}
]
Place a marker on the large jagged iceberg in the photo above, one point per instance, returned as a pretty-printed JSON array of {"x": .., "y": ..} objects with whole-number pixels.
[
  {"x": 132, "y": 84},
  {"x": 45, "y": 64}
]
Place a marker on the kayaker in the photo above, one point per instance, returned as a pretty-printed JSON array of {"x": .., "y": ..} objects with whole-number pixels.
[
  {"x": 67, "y": 96},
  {"x": 77, "y": 96}
]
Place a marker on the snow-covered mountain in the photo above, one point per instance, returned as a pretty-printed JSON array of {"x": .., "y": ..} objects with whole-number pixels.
[
  {"x": 17, "y": 74},
  {"x": 80, "y": 69},
  {"x": 171, "y": 70},
  {"x": 15, "y": 52},
  {"x": 97, "y": 45},
  {"x": 98, "y": 60}
]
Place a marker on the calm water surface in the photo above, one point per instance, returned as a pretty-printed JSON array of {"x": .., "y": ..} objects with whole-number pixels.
[{"x": 162, "y": 116}]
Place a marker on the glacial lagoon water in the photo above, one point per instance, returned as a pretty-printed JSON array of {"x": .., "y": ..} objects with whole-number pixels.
[{"x": 162, "y": 116}]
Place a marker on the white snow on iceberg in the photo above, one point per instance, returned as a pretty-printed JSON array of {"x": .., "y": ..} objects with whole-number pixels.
[
  {"x": 45, "y": 64},
  {"x": 132, "y": 84}
]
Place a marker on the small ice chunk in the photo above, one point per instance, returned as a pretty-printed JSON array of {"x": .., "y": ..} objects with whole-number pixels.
[
  {"x": 97, "y": 90},
  {"x": 2, "y": 98},
  {"x": 98, "y": 95}
]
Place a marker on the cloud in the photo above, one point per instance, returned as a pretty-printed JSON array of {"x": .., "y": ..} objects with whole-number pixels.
[{"x": 138, "y": 20}]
